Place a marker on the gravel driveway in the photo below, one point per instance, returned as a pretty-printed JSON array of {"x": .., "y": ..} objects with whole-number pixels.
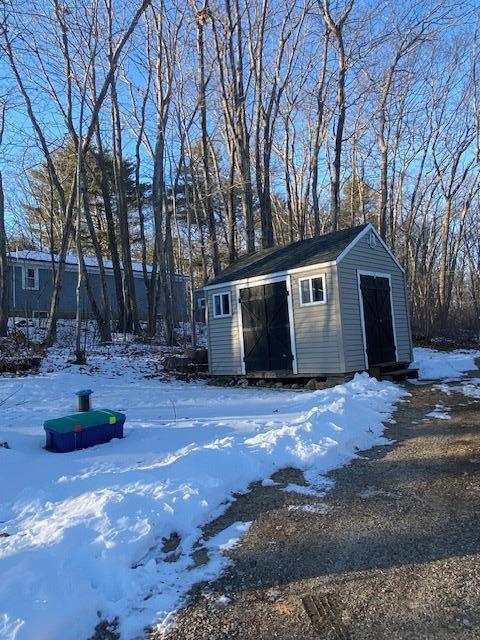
[{"x": 392, "y": 551}]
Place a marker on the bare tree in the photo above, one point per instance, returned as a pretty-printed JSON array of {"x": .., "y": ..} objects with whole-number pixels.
[
  {"x": 167, "y": 29},
  {"x": 409, "y": 33},
  {"x": 4, "y": 273},
  {"x": 271, "y": 78},
  {"x": 319, "y": 131},
  {"x": 231, "y": 59},
  {"x": 67, "y": 201},
  {"x": 336, "y": 29},
  {"x": 201, "y": 18},
  {"x": 253, "y": 123},
  {"x": 130, "y": 300}
]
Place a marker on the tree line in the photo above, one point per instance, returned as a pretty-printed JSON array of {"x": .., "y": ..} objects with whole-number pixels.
[{"x": 184, "y": 134}]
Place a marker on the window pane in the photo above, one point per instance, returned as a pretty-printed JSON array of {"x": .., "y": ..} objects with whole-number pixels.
[
  {"x": 218, "y": 308},
  {"x": 226, "y": 304},
  {"x": 317, "y": 288},
  {"x": 30, "y": 278},
  {"x": 305, "y": 291}
]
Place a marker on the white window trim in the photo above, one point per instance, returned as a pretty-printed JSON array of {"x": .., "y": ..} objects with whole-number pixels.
[
  {"x": 220, "y": 294},
  {"x": 199, "y": 303},
  {"x": 314, "y": 302},
  {"x": 36, "y": 284}
]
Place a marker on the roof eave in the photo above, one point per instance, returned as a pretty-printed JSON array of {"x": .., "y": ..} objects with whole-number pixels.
[
  {"x": 271, "y": 274},
  {"x": 319, "y": 265},
  {"x": 73, "y": 266}
]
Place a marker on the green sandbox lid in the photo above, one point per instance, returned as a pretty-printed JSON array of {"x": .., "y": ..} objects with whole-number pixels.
[{"x": 86, "y": 419}]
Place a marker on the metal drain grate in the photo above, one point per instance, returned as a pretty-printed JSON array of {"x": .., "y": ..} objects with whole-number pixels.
[{"x": 323, "y": 613}]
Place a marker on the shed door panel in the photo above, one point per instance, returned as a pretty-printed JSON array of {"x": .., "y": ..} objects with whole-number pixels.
[
  {"x": 377, "y": 312},
  {"x": 266, "y": 328},
  {"x": 255, "y": 337}
]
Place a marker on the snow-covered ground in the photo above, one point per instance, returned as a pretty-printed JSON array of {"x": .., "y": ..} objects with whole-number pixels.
[
  {"x": 447, "y": 365},
  {"x": 83, "y": 532}
]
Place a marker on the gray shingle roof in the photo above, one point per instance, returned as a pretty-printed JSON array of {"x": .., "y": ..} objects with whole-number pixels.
[{"x": 303, "y": 253}]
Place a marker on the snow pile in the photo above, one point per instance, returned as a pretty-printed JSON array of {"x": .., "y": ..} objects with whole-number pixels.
[
  {"x": 307, "y": 491},
  {"x": 440, "y": 412},
  {"x": 86, "y": 531},
  {"x": 436, "y": 365},
  {"x": 470, "y": 389}
]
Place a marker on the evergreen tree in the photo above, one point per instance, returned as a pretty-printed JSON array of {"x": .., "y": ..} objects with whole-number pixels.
[{"x": 45, "y": 218}]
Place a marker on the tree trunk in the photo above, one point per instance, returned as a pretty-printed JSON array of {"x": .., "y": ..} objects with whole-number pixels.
[
  {"x": 122, "y": 215},
  {"x": 112, "y": 236},
  {"x": 336, "y": 28},
  {"x": 202, "y": 103},
  {"x": 243, "y": 135},
  {"x": 4, "y": 274},
  {"x": 57, "y": 287},
  {"x": 103, "y": 314}
]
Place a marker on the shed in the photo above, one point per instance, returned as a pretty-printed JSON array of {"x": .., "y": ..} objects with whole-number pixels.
[{"x": 322, "y": 307}]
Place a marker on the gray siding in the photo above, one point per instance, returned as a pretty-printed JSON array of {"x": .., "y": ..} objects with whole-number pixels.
[
  {"x": 318, "y": 339},
  {"x": 365, "y": 258},
  {"x": 328, "y": 337},
  {"x": 24, "y": 302},
  {"x": 224, "y": 353},
  {"x": 318, "y": 334}
]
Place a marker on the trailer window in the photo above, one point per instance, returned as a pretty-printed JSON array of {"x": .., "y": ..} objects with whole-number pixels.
[{"x": 30, "y": 278}]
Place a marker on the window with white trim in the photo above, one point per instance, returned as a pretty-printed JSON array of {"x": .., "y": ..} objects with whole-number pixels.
[
  {"x": 312, "y": 290},
  {"x": 30, "y": 279},
  {"x": 222, "y": 305}
]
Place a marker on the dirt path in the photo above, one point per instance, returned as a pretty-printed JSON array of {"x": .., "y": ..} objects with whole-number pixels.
[{"x": 397, "y": 557}]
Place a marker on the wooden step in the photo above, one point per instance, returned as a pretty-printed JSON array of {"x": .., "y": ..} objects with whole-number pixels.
[
  {"x": 399, "y": 375},
  {"x": 387, "y": 368}
]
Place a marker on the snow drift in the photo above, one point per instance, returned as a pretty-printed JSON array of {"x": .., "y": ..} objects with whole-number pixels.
[
  {"x": 84, "y": 530},
  {"x": 437, "y": 365}
]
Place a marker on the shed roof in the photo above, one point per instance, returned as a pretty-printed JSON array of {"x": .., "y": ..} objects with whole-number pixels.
[{"x": 303, "y": 253}]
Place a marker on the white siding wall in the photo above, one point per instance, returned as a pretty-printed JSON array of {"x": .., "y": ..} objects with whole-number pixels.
[{"x": 365, "y": 258}]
